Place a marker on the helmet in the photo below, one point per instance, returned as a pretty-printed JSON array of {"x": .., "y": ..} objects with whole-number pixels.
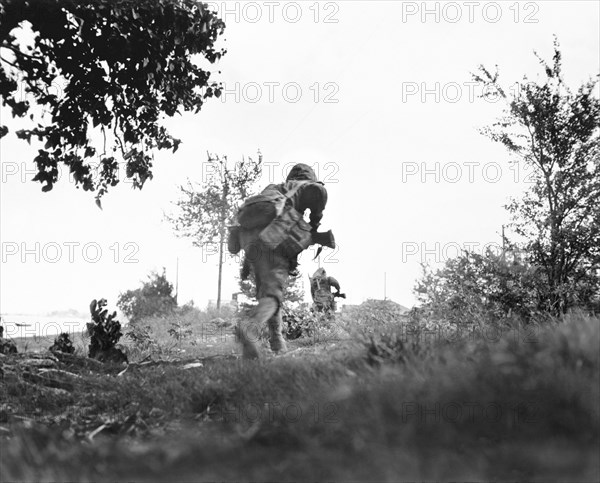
[
  {"x": 301, "y": 172},
  {"x": 320, "y": 273}
]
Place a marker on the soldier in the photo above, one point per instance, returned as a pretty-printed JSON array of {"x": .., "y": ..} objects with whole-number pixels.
[
  {"x": 272, "y": 233},
  {"x": 320, "y": 289},
  {"x": 6, "y": 346}
]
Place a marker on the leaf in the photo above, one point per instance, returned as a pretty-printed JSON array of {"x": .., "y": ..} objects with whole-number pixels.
[{"x": 111, "y": 66}]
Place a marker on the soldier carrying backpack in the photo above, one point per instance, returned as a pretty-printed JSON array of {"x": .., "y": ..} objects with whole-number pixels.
[
  {"x": 320, "y": 290},
  {"x": 272, "y": 232}
]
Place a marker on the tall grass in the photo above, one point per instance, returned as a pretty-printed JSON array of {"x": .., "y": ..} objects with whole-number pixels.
[
  {"x": 187, "y": 333},
  {"x": 516, "y": 404}
]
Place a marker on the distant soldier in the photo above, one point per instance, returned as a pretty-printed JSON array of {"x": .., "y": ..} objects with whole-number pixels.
[
  {"x": 272, "y": 232},
  {"x": 320, "y": 289},
  {"x": 6, "y": 346}
]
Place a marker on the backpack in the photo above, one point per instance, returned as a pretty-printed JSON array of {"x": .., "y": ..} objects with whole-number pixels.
[
  {"x": 288, "y": 232},
  {"x": 260, "y": 210},
  {"x": 272, "y": 211},
  {"x": 320, "y": 289}
]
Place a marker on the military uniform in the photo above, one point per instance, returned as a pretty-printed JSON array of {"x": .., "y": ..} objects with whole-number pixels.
[
  {"x": 320, "y": 289},
  {"x": 271, "y": 266}
]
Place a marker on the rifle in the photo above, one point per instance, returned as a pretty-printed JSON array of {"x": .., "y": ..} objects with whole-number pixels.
[{"x": 325, "y": 239}]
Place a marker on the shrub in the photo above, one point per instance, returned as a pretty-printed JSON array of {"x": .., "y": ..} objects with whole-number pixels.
[
  {"x": 140, "y": 336},
  {"x": 298, "y": 322},
  {"x": 105, "y": 332},
  {"x": 181, "y": 329},
  {"x": 154, "y": 298},
  {"x": 473, "y": 287},
  {"x": 377, "y": 313}
]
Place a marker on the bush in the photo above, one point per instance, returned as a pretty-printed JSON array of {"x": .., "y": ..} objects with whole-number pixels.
[
  {"x": 141, "y": 337},
  {"x": 105, "y": 332},
  {"x": 298, "y": 322},
  {"x": 181, "y": 330},
  {"x": 154, "y": 298},
  {"x": 474, "y": 287},
  {"x": 377, "y": 313}
]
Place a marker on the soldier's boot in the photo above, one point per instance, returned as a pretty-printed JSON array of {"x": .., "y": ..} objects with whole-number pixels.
[
  {"x": 276, "y": 339},
  {"x": 248, "y": 334},
  {"x": 249, "y": 330}
]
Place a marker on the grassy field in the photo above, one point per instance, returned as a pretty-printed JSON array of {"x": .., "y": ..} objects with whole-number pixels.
[{"x": 371, "y": 399}]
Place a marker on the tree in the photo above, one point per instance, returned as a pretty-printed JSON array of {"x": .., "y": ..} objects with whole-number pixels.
[
  {"x": 556, "y": 132},
  {"x": 154, "y": 298},
  {"x": 206, "y": 209},
  {"x": 123, "y": 64},
  {"x": 479, "y": 287}
]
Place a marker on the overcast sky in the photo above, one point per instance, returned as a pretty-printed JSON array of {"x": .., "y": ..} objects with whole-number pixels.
[{"x": 376, "y": 95}]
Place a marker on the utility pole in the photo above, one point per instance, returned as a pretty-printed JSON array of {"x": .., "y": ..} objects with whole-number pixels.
[
  {"x": 222, "y": 237},
  {"x": 503, "y": 245},
  {"x": 384, "y": 285}
]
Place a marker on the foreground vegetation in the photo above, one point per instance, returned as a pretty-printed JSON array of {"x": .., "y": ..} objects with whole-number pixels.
[{"x": 377, "y": 398}]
